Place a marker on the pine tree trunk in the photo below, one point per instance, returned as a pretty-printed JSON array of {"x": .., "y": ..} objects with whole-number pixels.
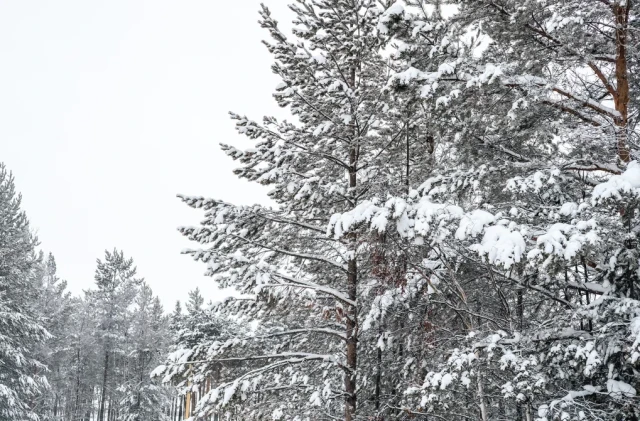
[
  {"x": 621, "y": 99},
  {"x": 104, "y": 386},
  {"x": 527, "y": 412},
  {"x": 350, "y": 378},
  {"x": 520, "y": 309},
  {"x": 378, "y": 371},
  {"x": 110, "y": 410},
  {"x": 55, "y": 406},
  {"x": 483, "y": 405},
  {"x": 77, "y": 403},
  {"x": 141, "y": 366},
  {"x": 352, "y": 353}
]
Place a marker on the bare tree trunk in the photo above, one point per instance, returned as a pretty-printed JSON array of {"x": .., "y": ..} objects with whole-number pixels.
[
  {"x": 527, "y": 412},
  {"x": 350, "y": 379},
  {"x": 621, "y": 97},
  {"x": 352, "y": 341},
  {"x": 483, "y": 405},
  {"x": 586, "y": 279},
  {"x": 408, "y": 159},
  {"x": 55, "y": 405},
  {"x": 378, "y": 371},
  {"x": 77, "y": 404},
  {"x": 104, "y": 386}
]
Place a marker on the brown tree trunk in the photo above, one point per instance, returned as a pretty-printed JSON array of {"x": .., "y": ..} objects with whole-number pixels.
[{"x": 621, "y": 98}]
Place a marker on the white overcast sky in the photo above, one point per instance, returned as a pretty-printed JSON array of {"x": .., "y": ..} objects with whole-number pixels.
[{"x": 109, "y": 108}]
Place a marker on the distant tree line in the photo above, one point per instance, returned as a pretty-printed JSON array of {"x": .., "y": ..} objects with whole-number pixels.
[{"x": 67, "y": 358}]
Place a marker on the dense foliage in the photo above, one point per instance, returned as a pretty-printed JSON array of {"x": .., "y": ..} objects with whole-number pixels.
[
  {"x": 21, "y": 328},
  {"x": 454, "y": 235},
  {"x": 65, "y": 358},
  {"x": 455, "y": 230}
]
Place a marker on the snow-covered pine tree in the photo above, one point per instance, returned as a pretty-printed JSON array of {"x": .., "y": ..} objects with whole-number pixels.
[
  {"x": 117, "y": 287},
  {"x": 176, "y": 317},
  {"x": 75, "y": 353},
  {"x": 576, "y": 56},
  {"x": 194, "y": 302},
  {"x": 56, "y": 308},
  {"x": 529, "y": 246},
  {"x": 84, "y": 362},
  {"x": 141, "y": 398},
  {"x": 197, "y": 335},
  {"x": 21, "y": 329},
  {"x": 310, "y": 289}
]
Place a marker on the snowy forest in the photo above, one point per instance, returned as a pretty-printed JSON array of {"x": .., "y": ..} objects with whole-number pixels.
[{"x": 453, "y": 234}]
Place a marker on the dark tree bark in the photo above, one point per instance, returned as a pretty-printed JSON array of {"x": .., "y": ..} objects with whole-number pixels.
[{"x": 104, "y": 386}]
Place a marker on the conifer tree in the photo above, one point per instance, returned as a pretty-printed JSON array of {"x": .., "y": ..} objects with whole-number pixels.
[
  {"x": 21, "y": 329},
  {"x": 519, "y": 231},
  {"x": 307, "y": 285},
  {"x": 117, "y": 286},
  {"x": 194, "y": 303},
  {"x": 142, "y": 399},
  {"x": 456, "y": 228},
  {"x": 176, "y": 316},
  {"x": 56, "y": 308},
  {"x": 84, "y": 361}
]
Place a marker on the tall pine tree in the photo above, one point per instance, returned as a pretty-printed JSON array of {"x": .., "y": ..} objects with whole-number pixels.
[
  {"x": 117, "y": 287},
  {"x": 21, "y": 329}
]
